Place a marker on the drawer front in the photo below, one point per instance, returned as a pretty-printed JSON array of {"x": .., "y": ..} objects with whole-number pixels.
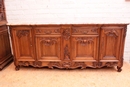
[
  {"x": 85, "y": 30},
  {"x": 47, "y": 30}
]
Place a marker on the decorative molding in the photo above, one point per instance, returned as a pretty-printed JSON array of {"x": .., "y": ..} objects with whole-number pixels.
[
  {"x": 85, "y": 40},
  {"x": 57, "y": 30},
  {"x": 85, "y": 31},
  {"x": 47, "y": 31},
  {"x": 21, "y": 33},
  {"x": 49, "y": 40},
  {"x": 111, "y": 32},
  {"x": 66, "y": 34}
]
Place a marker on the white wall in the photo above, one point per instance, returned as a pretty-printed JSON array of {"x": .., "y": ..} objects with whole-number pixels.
[{"x": 70, "y": 11}]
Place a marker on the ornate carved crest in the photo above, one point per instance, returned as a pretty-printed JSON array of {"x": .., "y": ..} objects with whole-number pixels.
[
  {"x": 66, "y": 34},
  {"x": 111, "y": 32},
  {"x": 85, "y": 40},
  {"x": 49, "y": 40},
  {"x": 21, "y": 33}
]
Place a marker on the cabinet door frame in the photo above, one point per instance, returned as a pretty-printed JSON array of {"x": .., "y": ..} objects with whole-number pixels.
[
  {"x": 93, "y": 39},
  {"x": 53, "y": 40},
  {"x": 16, "y": 33},
  {"x": 107, "y": 32}
]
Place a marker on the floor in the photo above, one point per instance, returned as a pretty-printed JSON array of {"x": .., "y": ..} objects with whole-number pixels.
[{"x": 35, "y": 77}]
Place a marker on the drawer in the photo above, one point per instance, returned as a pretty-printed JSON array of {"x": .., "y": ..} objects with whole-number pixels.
[
  {"x": 47, "y": 30},
  {"x": 86, "y": 30}
]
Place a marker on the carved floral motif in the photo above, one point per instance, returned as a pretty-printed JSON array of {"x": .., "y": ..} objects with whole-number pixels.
[
  {"x": 66, "y": 34},
  {"x": 85, "y": 40},
  {"x": 111, "y": 32},
  {"x": 21, "y": 33},
  {"x": 49, "y": 40}
]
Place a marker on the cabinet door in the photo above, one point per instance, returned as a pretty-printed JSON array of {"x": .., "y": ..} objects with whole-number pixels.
[
  {"x": 5, "y": 50},
  {"x": 110, "y": 43},
  {"x": 48, "y": 47},
  {"x": 23, "y": 44},
  {"x": 85, "y": 48}
]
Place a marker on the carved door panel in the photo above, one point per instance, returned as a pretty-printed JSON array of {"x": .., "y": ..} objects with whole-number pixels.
[
  {"x": 110, "y": 43},
  {"x": 5, "y": 50},
  {"x": 48, "y": 47},
  {"x": 23, "y": 43},
  {"x": 85, "y": 48}
]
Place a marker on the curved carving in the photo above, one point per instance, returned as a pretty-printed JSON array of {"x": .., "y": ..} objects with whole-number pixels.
[
  {"x": 85, "y": 40},
  {"x": 80, "y": 64},
  {"x": 66, "y": 34},
  {"x": 21, "y": 33},
  {"x": 94, "y": 30},
  {"x": 57, "y": 30},
  {"x": 111, "y": 32},
  {"x": 97, "y": 64},
  {"x": 110, "y": 64},
  {"x": 67, "y": 65},
  {"x": 37, "y": 64},
  {"x": 85, "y": 31},
  {"x": 54, "y": 64},
  {"x": 47, "y": 32},
  {"x": 49, "y": 40},
  {"x": 66, "y": 53},
  {"x": 24, "y": 63}
]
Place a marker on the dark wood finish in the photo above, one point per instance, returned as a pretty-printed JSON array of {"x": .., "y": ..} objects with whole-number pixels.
[
  {"x": 69, "y": 46},
  {"x": 5, "y": 50}
]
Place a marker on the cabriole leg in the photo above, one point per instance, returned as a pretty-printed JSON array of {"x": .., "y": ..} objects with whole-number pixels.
[
  {"x": 17, "y": 68},
  {"x": 119, "y": 69}
]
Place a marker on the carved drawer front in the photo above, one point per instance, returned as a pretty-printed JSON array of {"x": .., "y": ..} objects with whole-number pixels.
[
  {"x": 85, "y": 48},
  {"x": 47, "y": 30},
  {"x": 85, "y": 30},
  {"x": 48, "y": 48}
]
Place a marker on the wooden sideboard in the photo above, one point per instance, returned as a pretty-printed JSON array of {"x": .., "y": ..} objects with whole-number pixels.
[
  {"x": 5, "y": 50},
  {"x": 68, "y": 46}
]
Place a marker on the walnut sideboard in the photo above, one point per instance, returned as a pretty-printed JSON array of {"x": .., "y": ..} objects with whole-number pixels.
[{"x": 68, "y": 46}]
